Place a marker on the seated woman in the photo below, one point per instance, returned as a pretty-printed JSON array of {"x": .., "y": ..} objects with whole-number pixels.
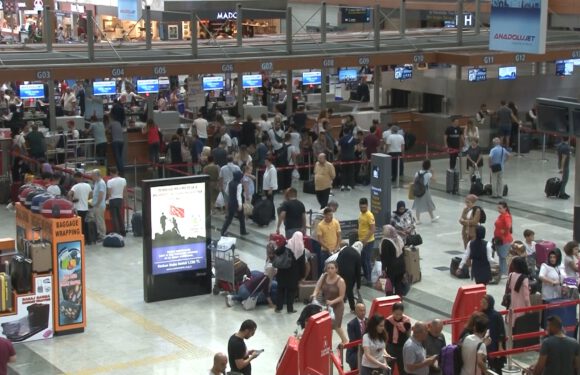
[
  {"x": 257, "y": 285},
  {"x": 403, "y": 221}
]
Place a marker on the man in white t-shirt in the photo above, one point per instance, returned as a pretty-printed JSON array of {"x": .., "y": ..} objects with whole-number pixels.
[
  {"x": 396, "y": 146},
  {"x": 264, "y": 125},
  {"x": 474, "y": 351},
  {"x": 69, "y": 102},
  {"x": 116, "y": 193},
  {"x": 80, "y": 194},
  {"x": 200, "y": 124}
]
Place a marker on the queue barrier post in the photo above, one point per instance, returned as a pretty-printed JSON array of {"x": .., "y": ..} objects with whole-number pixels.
[
  {"x": 519, "y": 142},
  {"x": 544, "y": 148}
]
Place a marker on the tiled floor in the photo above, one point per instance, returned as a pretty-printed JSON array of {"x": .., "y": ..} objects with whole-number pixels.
[{"x": 125, "y": 335}]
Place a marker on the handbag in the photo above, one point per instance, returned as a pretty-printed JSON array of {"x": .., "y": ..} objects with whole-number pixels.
[
  {"x": 414, "y": 240},
  {"x": 251, "y": 302},
  {"x": 410, "y": 192},
  {"x": 248, "y": 209},
  {"x": 506, "y": 300},
  {"x": 496, "y": 168}
]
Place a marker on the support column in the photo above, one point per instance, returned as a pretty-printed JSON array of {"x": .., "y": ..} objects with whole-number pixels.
[
  {"x": 289, "y": 30},
  {"x": 377, "y": 78},
  {"x": 323, "y": 88},
  {"x": 48, "y": 32},
  {"x": 239, "y": 25},
  {"x": 477, "y": 16},
  {"x": 51, "y": 105},
  {"x": 323, "y": 22},
  {"x": 402, "y": 18},
  {"x": 148, "y": 27},
  {"x": 576, "y": 226},
  {"x": 289, "y": 93},
  {"x": 460, "y": 22},
  {"x": 193, "y": 26},
  {"x": 91, "y": 35},
  {"x": 377, "y": 26},
  {"x": 240, "y": 95}
]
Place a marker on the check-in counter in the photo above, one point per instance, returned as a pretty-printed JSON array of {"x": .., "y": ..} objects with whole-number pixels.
[
  {"x": 136, "y": 150},
  {"x": 78, "y": 120},
  {"x": 315, "y": 98},
  {"x": 255, "y": 111},
  {"x": 166, "y": 119}
]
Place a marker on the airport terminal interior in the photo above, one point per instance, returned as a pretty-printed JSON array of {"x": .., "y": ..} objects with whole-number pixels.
[{"x": 316, "y": 69}]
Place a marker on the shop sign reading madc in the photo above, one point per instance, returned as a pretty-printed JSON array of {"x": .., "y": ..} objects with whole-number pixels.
[{"x": 227, "y": 15}]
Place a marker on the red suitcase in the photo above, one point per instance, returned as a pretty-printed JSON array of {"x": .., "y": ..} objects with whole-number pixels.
[
  {"x": 57, "y": 208},
  {"x": 542, "y": 250},
  {"x": 38, "y": 200},
  {"x": 25, "y": 190},
  {"x": 33, "y": 194}
]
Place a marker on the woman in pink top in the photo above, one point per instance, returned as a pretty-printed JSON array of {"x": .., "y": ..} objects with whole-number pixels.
[
  {"x": 502, "y": 235},
  {"x": 518, "y": 284}
]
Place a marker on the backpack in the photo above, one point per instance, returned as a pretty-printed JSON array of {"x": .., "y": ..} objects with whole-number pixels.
[
  {"x": 419, "y": 188},
  {"x": 451, "y": 357},
  {"x": 283, "y": 261},
  {"x": 482, "y": 215},
  {"x": 113, "y": 240}
]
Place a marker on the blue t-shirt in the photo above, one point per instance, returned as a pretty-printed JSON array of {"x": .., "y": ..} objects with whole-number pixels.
[
  {"x": 100, "y": 186},
  {"x": 498, "y": 155}
]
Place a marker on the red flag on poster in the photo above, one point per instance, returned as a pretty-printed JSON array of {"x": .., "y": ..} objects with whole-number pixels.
[{"x": 176, "y": 211}]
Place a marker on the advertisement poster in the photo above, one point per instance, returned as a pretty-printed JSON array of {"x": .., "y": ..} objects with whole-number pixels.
[
  {"x": 69, "y": 283},
  {"x": 178, "y": 228},
  {"x": 129, "y": 10},
  {"x": 33, "y": 318},
  {"x": 518, "y": 26}
]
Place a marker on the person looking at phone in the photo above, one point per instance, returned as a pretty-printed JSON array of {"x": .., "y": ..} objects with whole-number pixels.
[
  {"x": 474, "y": 350},
  {"x": 414, "y": 353},
  {"x": 374, "y": 344},
  {"x": 240, "y": 357}
]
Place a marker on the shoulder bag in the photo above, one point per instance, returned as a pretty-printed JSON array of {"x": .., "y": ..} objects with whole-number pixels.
[{"x": 506, "y": 301}]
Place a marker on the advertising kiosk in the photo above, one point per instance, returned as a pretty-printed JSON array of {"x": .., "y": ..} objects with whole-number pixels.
[
  {"x": 57, "y": 299},
  {"x": 176, "y": 235}
]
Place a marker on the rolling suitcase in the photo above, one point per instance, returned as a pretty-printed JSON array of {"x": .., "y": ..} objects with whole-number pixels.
[
  {"x": 525, "y": 143},
  {"x": 137, "y": 224},
  {"x": 57, "y": 208},
  {"x": 91, "y": 233},
  {"x": 476, "y": 186},
  {"x": 552, "y": 188},
  {"x": 305, "y": 290},
  {"x": 543, "y": 248},
  {"x": 39, "y": 252},
  {"x": 4, "y": 190},
  {"x": 308, "y": 187},
  {"x": 455, "y": 262},
  {"x": 21, "y": 274},
  {"x": 567, "y": 314},
  {"x": 527, "y": 323},
  {"x": 412, "y": 263},
  {"x": 25, "y": 190},
  {"x": 5, "y": 289},
  {"x": 452, "y": 181},
  {"x": 31, "y": 195},
  {"x": 262, "y": 213}
]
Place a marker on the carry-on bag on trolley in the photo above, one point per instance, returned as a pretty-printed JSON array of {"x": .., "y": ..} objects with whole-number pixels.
[{"x": 39, "y": 252}]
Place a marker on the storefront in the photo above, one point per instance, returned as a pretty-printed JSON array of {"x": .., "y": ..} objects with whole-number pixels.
[
  {"x": 72, "y": 18},
  {"x": 114, "y": 28},
  {"x": 218, "y": 18}
]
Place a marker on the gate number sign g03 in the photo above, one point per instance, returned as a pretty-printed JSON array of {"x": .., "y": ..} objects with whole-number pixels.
[{"x": 43, "y": 74}]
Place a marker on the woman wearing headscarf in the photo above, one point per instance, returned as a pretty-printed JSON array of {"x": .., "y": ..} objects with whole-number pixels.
[
  {"x": 479, "y": 251},
  {"x": 403, "y": 221},
  {"x": 469, "y": 219},
  {"x": 288, "y": 278},
  {"x": 496, "y": 332},
  {"x": 551, "y": 276},
  {"x": 392, "y": 258},
  {"x": 519, "y": 286}
]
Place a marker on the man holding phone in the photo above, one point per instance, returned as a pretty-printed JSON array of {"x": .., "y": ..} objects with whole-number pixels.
[
  {"x": 240, "y": 357},
  {"x": 414, "y": 354}
]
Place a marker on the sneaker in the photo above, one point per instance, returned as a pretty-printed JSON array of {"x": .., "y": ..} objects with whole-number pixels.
[
  {"x": 435, "y": 219},
  {"x": 342, "y": 188},
  {"x": 229, "y": 300}
]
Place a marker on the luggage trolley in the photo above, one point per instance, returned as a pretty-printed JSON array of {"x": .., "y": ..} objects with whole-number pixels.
[{"x": 223, "y": 260}]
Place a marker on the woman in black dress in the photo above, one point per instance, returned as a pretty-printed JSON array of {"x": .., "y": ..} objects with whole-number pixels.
[{"x": 392, "y": 258}]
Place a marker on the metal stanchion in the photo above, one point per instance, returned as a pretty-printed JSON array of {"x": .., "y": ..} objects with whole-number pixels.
[
  {"x": 398, "y": 169},
  {"x": 459, "y": 157},
  {"x": 510, "y": 340},
  {"x": 544, "y": 148},
  {"x": 426, "y": 150},
  {"x": 519, "y": 142}
]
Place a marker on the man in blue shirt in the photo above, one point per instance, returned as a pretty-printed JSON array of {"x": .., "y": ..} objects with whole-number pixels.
[
  {"x": 497, "y": 158},
  {"x": 564, "y": 166}
]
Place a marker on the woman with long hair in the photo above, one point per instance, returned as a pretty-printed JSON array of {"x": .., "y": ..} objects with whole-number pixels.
[
  {"x": 374, "y": 346},
  {"x": 571, "y": 259},
  {"x": 502, "y": 235},
  {"x": 153, "y": 140},
  {"x": 470, "y": 218},
  {"x": 333, "y": 289},
  {"x": 519, "y": 286},
  {"x": 398, "y": 326},
  {"x": 392, "y": 259}
]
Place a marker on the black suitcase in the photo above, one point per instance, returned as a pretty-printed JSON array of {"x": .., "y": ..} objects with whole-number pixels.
[
  {"x": 452, "y": 181},
  {"x": 4, "y": 191},
  {"x": 91, "y": 232},
  {"x": 552, "y": 188},
  {"x": 21, "y": 274},
  {"x": 525, "y": 143},
  {"x": 455, "y": 261},
  {"x": 487, "y": 189},
  {"x": 308, "y": 187},
  {"x": 262, "y": 213},
  {"x": 137, "y": 224},
  {"x": 527, "y": 323},
  {"x": 504, "y": 193},
  {"x": 476, "y": 187}
]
